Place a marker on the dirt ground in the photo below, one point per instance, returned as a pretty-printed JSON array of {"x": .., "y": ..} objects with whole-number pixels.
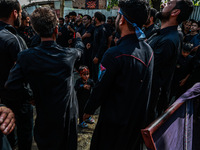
[{"x": 84, "y": 136}]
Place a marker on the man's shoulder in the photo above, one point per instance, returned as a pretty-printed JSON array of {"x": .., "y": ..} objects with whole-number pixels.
[{"x": 6, "y": 35}]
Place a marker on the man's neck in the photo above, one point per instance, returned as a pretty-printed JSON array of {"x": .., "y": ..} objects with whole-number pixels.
[
  {"x": 7, "y": 21},
  {"x": 127, "y": 32},
  {"x": 78, "y": 23},
  {"x": 87, "y": 25},
  {"x": 168, "y": 24},
  {"x": 43, "y": 39},
  {"x": 193, "y": 33},
  {"x": 98, "y": 24},
  {"x": 146, "y": 26}
]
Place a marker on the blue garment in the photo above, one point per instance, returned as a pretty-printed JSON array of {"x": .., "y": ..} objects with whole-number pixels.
[{"x": 196, "y": 40}]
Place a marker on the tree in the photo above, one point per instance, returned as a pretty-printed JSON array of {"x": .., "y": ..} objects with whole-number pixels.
[{"x": 154, "y": 3}]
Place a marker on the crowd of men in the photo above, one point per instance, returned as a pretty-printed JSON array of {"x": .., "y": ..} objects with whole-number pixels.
[{"x": 139, "y": 66}]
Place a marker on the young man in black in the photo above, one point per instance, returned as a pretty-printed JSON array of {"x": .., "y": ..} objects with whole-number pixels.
[
  {"x": 48, "y": 69},
  {"x": 150, "y": 28},
  {"x": 166, "y": 45},
  {"x": 87, "y": 38},
  {"x": 99, "y": 45},
  {"x": 18, "y": 101},
  {"x": 124, "y": 83}
]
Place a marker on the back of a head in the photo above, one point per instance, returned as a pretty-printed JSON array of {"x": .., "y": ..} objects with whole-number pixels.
[
  {"x": 73, "y": 13},
  {"x": 88, "y": 17},
  {"x": 7, "y": 6},
  {"x": 104, "y": 18},
  {"x": 153, "y": 13},
  {"x": 186, "y": 7},
  {"x": 44, "y": 21},
  {"x": 62, "y": 19},
  {"x": 136, "y": 11},
  {"x": 24, "y": 15},
  {"x": 99, "y": 16}
]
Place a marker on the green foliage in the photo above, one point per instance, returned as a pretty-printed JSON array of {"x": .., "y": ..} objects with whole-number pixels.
[
  {"x": 111, "y": 4},
  {"x": 196, "y": 2}
]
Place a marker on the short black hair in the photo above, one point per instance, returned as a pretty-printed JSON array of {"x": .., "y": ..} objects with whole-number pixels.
[
  {"x": 186, "y": 7},
  {"x": 80, "y": 14},
  {"x": 99, "y": 16},
  {"x": 103, "y": 18},
  {"x": 111, "y": 18},
  {"x": 73, "y": 13},
  {"x": 82, "y": 67},
  {"x": 88, "y": 17},
  {"x": 153, "y": 13},
  {"x": 7, "y": 6},
  {"x": 67, "y": 16},
  {"x": 62, "y": 19},
  {"x": 136, "y": 11},
  {"x": 24, "y": 15},
  {"x": 194, "y": 21}
]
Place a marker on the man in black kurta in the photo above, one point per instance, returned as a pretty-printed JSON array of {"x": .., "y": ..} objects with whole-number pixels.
[
  {"x": 166, "y": 45},
  {"x": 48, "y": 69},
  {"x": 123, "y": 86}
]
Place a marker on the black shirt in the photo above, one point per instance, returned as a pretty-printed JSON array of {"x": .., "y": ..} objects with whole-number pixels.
[
  {"x": 99, "y": 42},
  {"x": 82, "y": 93},
  {"x": 48, "y": 69},
  {"x": 166, "y": 47},
  {"x": 9, "y": 48},
  {"x": 89, "y": 29},
  {"x": 150, "y": 30},
  {"x": 62, "y": 40},
  {"x": 122, "y": 91}
]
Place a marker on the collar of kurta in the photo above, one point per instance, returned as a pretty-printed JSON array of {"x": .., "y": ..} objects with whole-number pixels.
[
  {"x": 8, "y": 27},
  {"x": 128, "y": 36},
  {"x": 167, "y": 29},
  {"x": 150, "y": 27},
  {"x": 47, "y": 43}
]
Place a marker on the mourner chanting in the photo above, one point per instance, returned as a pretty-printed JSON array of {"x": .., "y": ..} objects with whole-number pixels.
[{"x": 97, "y": 79}]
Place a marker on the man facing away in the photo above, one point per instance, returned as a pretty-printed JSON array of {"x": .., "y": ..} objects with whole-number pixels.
[
  {"x": 48, "y": 69},
  {"x": 150, "y": 28},
  {"x": 10, "y": 45},
  {"x": 124, "y": 83},
  {"x": 166, "y": 45}
]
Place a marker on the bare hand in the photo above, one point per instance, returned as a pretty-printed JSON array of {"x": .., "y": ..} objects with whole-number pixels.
[
  {"x": 7, "y": 120},
  {"x": 195, "y": 48},
  {"x": 88, "y": 45},
  {"x": 86, "y": 116},
  {"x": 59, "y": 33},
  {"x": 70, "y": 41},
  {"x": 68, "y": 27},
  {"x": 78, "y": 35},
  {"x": 86, "y": 86},
  {"x": 95, "y": 60}
]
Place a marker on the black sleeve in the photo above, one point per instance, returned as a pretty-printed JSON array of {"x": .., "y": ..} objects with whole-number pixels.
[
  {"x": 109, "y": 68},
  {"x": 13, "y": 47},
  {"x": 103, "y": 44},
  {"x": 163, "y": 53},
  {"x": 78, "y": 85}
]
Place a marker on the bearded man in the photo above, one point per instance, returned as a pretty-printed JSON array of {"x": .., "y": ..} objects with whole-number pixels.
[
  {"x": 124, "y": 83},
  {"x": 166, "y": 45}
]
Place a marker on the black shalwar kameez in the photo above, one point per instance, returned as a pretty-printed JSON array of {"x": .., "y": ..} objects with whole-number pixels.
[
  {"x": 48, "y": 69},
  {"x": 122, "y": 91}
]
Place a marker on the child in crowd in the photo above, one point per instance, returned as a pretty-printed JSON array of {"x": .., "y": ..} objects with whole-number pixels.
[
  {"x": 182, "y": 71},
  {"x": 83, "y": 88}
]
